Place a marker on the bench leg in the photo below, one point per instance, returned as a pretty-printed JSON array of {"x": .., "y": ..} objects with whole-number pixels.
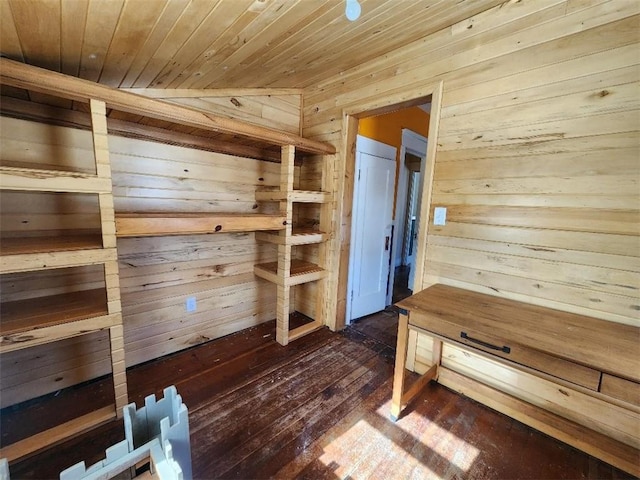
[
  {"x": 399, "y": 371},
  {"x": 436, "y": 356},
  {"x": 400, "y": 398}
]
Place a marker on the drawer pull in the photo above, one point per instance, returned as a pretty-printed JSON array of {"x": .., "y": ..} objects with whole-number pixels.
[{"x": 504, "y": 349}]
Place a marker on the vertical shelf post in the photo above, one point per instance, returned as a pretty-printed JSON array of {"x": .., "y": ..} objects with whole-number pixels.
[
  {"x": 112, "y": 282},
  {"x": 323, "y": 299},
  {"x": 284, "y": 249}
]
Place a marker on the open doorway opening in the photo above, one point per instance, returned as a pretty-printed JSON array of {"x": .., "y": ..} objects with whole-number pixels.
[
  {"x": 411, "y": 169},
  {"x": 389, "y": 169}
]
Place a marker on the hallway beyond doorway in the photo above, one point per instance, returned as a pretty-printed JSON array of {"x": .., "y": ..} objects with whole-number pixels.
[{"x": 401, "y": 283}]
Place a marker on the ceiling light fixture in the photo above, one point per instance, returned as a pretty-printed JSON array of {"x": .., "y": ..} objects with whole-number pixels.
[{"x": 352, "y": 10}]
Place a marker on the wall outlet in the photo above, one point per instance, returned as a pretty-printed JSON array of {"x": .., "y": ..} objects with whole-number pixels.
[
  {"x": 440, "y": 216},
  {"x": 191, "y": 304}
]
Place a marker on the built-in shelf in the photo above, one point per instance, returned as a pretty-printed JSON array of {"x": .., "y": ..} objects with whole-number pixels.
[
  {"x": 48, "y": 242},
  {"x": 48, "y": 260},
  {"x": 27, "y": 262},
  {"x": 155, "y": 224},
  {"x": 298, "y": 196},
  {"x": 22, "y": 316},
  {"x": 301, "y": 272},
  {"x": 19, "y": 75},
  {"x": 47, "y": 319},
  {"x": 23, "y": 448},
  {"x": 32, "y": 179},
  {"x": 303, "y": 330},
  {"x": 43, "y": 165},
  {"x": 299, "y": 236}
]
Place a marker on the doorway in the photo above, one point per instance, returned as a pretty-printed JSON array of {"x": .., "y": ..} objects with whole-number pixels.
[
  {"x": 411, "y": 168},
  {"x": 379, "y": 106},
  {"x": 396, "y": 243}
]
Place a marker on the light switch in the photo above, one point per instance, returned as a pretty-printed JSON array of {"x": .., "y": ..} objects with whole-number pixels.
[
  {"x": 191, "y": 304},
  {"x": 440, "y": 216}
]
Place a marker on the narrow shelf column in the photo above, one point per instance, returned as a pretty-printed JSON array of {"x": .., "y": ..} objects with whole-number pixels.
[
  {"x": 288, "y": 272},
  {"x": 111, "y": 274},
  {"x": 284, "y": 250}
]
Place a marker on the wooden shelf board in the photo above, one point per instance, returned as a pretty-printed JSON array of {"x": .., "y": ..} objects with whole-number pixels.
[
  {"x": 53, "y": 333},
  {"x": 155, "y": 224},
  {"x": 33, "y": 179},
  {"x": 23, "y": 316},
  {"x": 301, "y": 272},
  {"x": 305, "y": 329},
  {"x": 37, "y": 79},
  {"x": 49, "y": 243},
  {"x": 197, "y": 138},
  {"x": 42, "y": 163},
  {"x": 28, "y": 262},
  {"x": 298, "y": 196},
  {"x": 57, "y": 434},
  {"x": 299, "y": 236}
]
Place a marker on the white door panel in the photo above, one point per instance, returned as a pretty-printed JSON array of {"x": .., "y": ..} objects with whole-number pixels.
[{"x": 371, "y": 232}]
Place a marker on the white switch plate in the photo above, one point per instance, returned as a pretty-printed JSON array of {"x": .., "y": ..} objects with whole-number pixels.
[
  {"x": 191, "y": 304},
  {"x": 440, "y": 216}
]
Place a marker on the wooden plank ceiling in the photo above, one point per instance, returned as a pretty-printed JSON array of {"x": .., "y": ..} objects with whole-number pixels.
[
  {"x": 215, "y": 43},
  {"x": 209, "y": 44}
]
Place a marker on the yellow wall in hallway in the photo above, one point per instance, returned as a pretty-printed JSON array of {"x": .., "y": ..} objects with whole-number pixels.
[{"x": 387, "y": 128}]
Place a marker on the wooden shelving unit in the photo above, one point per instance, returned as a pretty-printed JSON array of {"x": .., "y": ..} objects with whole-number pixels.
[
  {"x": 45, "y": 319},
  {"x": 288, "y": 272},
  {"x": 88, "y": 311}
]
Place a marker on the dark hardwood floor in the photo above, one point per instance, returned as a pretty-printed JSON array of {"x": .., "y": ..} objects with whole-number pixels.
[{"x": 316, "y": 409}]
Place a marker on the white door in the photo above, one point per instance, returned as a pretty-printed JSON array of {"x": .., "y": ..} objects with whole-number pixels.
[{"x": 371, "y": 228}]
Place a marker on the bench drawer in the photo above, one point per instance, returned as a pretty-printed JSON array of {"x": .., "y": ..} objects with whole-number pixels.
[
  {"x": 620, "y": 388},
  {"x": 529, "y": 357}
]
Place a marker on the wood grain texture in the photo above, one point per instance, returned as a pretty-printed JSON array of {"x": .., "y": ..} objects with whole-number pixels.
[
  {"x": 474, "y": 327},
  {"x": 244, "y": 43},
  {"x": 620, "y": 388},
  {"x": 45, "y": 318},
  {"x": 540, "y": 194},
  {"x": 143, "y": 225},
  {"x": 43, "y": 81},
  {"x": 265, "y": 396},
  {"x": 156, "y": 274},
  {"x": 536, "y": 159}
]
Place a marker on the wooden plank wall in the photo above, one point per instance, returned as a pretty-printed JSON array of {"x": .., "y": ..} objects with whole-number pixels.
[
  {"x": 538, "y": 152},
  {"x": 537, "y": 163},
  {"x": 274, "y": 108},
  {"x": 157, "y": 274}
]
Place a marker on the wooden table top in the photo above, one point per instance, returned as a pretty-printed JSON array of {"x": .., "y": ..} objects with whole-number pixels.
[{"x": 608, "y": 346}]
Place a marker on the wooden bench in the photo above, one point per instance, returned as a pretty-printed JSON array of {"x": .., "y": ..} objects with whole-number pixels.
[{"x": 590, "y": 361}]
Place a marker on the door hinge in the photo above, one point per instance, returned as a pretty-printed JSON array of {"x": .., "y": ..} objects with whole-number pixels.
[{"x": 359, "y": 174}]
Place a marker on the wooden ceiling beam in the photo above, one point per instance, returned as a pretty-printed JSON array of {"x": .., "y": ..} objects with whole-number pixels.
[{"x": 37, "y": 79}]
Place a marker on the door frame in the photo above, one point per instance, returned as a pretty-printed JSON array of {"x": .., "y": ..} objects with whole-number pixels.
[
  {"x": 377, "y": 149},
  {"x": 415, "y": 144},
  {"x": 344, "y": 172}
]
